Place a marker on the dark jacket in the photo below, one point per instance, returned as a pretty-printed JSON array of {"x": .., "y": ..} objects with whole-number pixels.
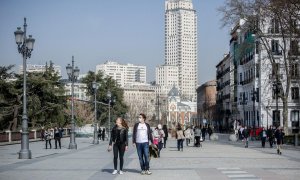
[
  {"x": 166, "y": 133},
  {"x": 150, "y": 138},
  {"x": 279, "y": 136},
  {"x": 123, "y": 135},
  {"x": 246, "y": 133}
]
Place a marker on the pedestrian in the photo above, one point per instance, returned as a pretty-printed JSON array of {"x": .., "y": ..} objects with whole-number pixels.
[
  {"x": 279, "y": 134},
  {"x": 99, "y": 134},
  {"x": 158, "y": 136},
  {"x": 180, "y": 137},
  {"x": 119, "y": 143},
  {"x": 165, "y": 129},
  {"x": 57, "y": 137},
  {"x": 203, "y": 131},
  {"x": 188, "y": 135},
  {"x": 103, "y": 134},
  {"x": 209, "y": 131},
  {"x": 197, "y": 133},
  {"x": 140, "y": 138},
  {"x": 270, "y": 135},
  {"x": 263, "y": 136},
  {"x": 246, "y": 134},
  {"x": 48, "y": 136},
  {"x": 42, "y": 134}
]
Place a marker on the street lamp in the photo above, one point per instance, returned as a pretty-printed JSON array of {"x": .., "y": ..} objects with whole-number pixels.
[
  {"x": 254, "y": 94},
  {"x": 73, "y": 74},
  {"x": 25, "y": 47},
  {"x": 95, "y": 87},
  {"x": 110, "y": 99}
]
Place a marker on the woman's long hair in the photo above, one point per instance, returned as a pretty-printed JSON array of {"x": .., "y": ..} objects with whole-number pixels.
[{"x": 124, "y": 124}]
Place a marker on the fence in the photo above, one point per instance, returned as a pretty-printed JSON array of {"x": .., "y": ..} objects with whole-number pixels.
[{"x": 9, "y": 136}]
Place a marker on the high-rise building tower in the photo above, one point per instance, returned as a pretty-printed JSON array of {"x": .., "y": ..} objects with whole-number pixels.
[{"x": 181, "y": 44}]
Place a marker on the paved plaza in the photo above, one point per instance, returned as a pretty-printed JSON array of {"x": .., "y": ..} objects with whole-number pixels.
[{"x": 215, "y": 160}]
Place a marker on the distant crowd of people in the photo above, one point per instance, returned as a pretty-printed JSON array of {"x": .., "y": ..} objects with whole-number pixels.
[{"x": 272, "y": 134}]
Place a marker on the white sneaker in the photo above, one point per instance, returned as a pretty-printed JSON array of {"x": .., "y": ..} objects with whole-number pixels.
[
  {"x": 148, "y": 172},
  {"x": 143, "y": 172},
  {"x": 114, "y": 172},
  {"x": 121, "y": 172}
]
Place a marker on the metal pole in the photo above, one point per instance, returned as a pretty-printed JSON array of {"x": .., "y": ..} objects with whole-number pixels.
[
  {"x": 24, "y": 153},
  {"x": 109, "y": 118},
  {"x": 276, "y": 96},
  {"x": 72, "y": 144},
  {"x": 253, "y": 98},
  {"x": 95, "y": 122},
  {"x": 158, "y": 108}
]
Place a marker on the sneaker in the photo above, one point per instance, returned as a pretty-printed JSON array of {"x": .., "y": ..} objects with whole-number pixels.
[
  {"x": 148, "y": 172},
  {"x": 114, "y": 172},
  {"x": 143, "y": 172},
  {"x": 121, "y": 172}
]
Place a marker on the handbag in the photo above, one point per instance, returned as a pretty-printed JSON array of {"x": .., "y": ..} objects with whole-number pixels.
[{"x": 155, "y": 141}]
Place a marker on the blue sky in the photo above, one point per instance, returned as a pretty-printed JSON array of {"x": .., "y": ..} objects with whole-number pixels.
[{"x": 127, "y": 31}]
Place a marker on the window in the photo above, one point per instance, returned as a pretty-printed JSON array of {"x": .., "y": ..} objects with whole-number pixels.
[
  {"x": 294, "y": 115},
  {"x": 294, "y": 70},
  {"x": 275, "y": 46},
  {"x": 294, "y": 47},
  {"x": 275, "y": 26},
  {"x": 295, "y": 92}
]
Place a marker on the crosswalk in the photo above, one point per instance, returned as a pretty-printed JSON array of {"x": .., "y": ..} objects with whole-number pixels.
[{"x": 237, "y": 173}]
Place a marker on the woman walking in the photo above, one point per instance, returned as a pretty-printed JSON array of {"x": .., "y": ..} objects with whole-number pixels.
[
  {"x": 119, "y": 143},
  {"x": 48, "y": 135},
  {"x": 165, "y": 129},
  {"x": 180, "y": 137},
  {"x": 158, "y": 135},
  {"x": 188, "y": 135},
  {"x": 279, "y": 134}
]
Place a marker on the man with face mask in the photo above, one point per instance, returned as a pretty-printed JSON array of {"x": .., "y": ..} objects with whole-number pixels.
[{"x": 140, "y": 138}]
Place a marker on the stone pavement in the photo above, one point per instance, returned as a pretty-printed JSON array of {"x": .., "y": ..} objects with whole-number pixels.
[{"x": 215, "y": 160}]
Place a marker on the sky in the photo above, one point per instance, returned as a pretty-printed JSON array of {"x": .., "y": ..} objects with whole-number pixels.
[{"x": 94, "y": 31}]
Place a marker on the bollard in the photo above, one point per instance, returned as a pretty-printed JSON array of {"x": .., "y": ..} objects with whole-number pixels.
[
  {"x": 34, "y": 133},
  {"x": 9, "y": 135}
]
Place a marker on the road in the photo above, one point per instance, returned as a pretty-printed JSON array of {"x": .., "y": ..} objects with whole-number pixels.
[{"x": 215, "y": 160}]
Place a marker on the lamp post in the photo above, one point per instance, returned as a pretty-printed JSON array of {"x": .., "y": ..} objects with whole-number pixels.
[
  {"x": 73, "y": 74},
  {"x": 95, "y": 87},
  {"x": 109, "y": 101},
  {"x": 25, "y": 47},
  {"x": 254, "y": 93}
]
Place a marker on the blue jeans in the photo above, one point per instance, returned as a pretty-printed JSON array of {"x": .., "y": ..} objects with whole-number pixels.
[
  {"x": 143, "y": 153},
  {"x": 179, "y": 144}
]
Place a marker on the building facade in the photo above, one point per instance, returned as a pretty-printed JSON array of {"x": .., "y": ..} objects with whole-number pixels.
[
  {"x": 181, "y": 44},
  {"x": 260, "y": 78},
  {"x": 123, "y": 73},
  {"x": 206, "y": 103},
  {"x": 39, "y": 68}
]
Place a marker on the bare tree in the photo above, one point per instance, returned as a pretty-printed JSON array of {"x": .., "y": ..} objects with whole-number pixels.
[{"x": 269, "y": 20}]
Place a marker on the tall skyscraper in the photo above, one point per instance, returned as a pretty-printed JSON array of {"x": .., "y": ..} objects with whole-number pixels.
[{"x": 181, "y": 44}]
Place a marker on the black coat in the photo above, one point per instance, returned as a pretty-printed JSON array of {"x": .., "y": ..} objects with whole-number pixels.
[{"x": 123, "y": 135}]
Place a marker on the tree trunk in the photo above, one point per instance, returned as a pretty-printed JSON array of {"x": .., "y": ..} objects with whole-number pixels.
[{"x": 285, "y": 115}]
